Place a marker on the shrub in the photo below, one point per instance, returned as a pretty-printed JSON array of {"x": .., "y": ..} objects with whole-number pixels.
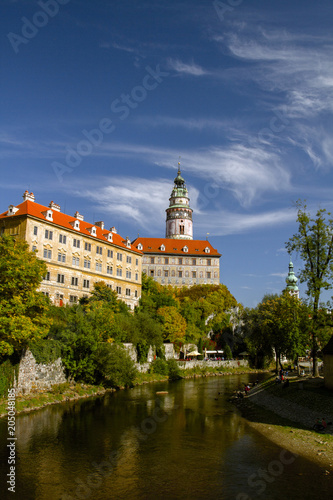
[
  {"x": 46, "y": 351},
  {"x": 159, "y": 366},
  {"x": 114, "y": 367},
  {"x": 8, "y": 370},
  {"x": 173, "y": 370}
]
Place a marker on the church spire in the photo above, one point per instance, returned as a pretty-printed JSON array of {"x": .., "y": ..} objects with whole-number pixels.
[{"x": 291, "y": 281}]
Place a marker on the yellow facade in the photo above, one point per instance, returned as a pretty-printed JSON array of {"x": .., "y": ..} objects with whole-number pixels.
[{"x": 75, "y": 261}]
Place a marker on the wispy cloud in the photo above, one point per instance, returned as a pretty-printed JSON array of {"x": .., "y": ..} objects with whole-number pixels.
[{"x": 186, "y": 68}]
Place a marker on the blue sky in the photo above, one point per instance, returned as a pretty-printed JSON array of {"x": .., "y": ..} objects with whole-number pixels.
[{"x": 100, "y": 98}]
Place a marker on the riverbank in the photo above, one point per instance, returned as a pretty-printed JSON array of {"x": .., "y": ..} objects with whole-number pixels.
[
  {"x": 285, "y": 415},
  {"x": 65, "y": 392}
]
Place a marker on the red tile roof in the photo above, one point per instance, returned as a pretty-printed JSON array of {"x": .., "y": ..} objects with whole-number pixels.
[
  {"x": 173, "y": 246},
  {"x": 30, "y": 208}
]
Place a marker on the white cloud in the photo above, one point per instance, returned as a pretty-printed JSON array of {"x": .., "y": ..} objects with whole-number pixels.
[{"x": 187, "y": 68}]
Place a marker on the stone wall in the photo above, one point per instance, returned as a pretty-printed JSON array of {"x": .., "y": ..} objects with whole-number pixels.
[
  {"x": 38, "y": 377},
  {"x": 231, "y": 363}
]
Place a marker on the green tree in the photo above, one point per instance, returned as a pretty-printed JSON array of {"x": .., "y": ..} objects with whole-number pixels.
[
  {"x": 314, "y": 244},
  {"x": 114, "y": 367},
  {"x": 23, "y": 310}
]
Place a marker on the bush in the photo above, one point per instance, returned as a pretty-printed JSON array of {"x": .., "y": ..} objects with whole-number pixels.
[
  {"x": 114, "y": 367},
  {"x": 46, "y": 351},
  {"x": 159, "y": 366},
  {"x": 173, "y": 370}
]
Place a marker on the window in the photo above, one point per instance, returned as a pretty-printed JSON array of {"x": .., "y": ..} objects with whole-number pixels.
[
  {"x": 76, "y": 243},
  {"x": 152, "y": 272},
  {"x": 61, "y": 278},
  {"x": 109, "y": 269},
  {"x": 135, "y": 293},
  {"x": 75, "y": 261},
  {"x": 46, "y": 294},
  {"x": 194, "y": 262},
  {"x": 110, "y": 254},
  {"x": 152, "y": 260},
  {"x": 194, "y": 274},
  {"x": 87, "y": 247},
  {"x": 62, "y": 239},
  {"x": 47, "y": 277},
  {"x": 35, "y": 230},
  {"x": 48, "y": 234},
  {"x": 99, "y": 250},
  {"x": 128, "y": 275},
  {"x": 47, "y": 254},
  {"x": 73, "y": 299},
  {"x": 34, "y": 248},
  {"x": 109, "y": 286},
  {"x": 136, "y": 262},
  {"x": 180, "y": 274},
  {"x": 119, "y": 272},
  {"x": 119, "y": 256},
  {"x": 129, "y": 259},
  {"x": 128, "y": 292},
  {"x": 181, "y": 229},
  {"x": 166, "y": 273},
  {"x": 61, "y": 257},
  {"x": 74, "y": 281},
  {"x": 180, "y": 261},
  {"x": 136, "y": 276},
  {"x": 166, "y": 260},
  {"x": 98, "y": 267},
  {"x": 86, "y": 263},
  {"x": 209, "y": 275},
  {"x": 209, "y": 262},
  {"x": 118, "y": 289},
  {"x": 86, "y": 283}
]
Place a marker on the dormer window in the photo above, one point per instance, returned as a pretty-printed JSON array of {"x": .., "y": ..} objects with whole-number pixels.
[
  {"x": 12, "y": 210},
  {"x": 207, "y": 250},
  {"x": 128, "y": 242},
  {"x": 140, "y": 247},
  {"x": 92, "y": 230},
  {"x": 110, "y": 238},
  {"x": 75, "y": 224},
  {"x": 48, "y": 215},
  {"x": 162, "y": 248},
  {"x": 185, "y": 249}
]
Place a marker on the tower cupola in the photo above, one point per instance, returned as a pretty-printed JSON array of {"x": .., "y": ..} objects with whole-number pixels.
[
  {"x": 179, "y": 224},
  {"x": 291, "y": 281}
]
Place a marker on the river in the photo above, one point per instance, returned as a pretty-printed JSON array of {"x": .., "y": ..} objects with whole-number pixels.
[{"x": 135, "y": 444}]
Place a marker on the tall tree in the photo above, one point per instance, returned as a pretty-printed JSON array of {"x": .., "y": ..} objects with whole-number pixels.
[
  {"x": 23, "y": 310},
  {"x": 314, "y": 244}
]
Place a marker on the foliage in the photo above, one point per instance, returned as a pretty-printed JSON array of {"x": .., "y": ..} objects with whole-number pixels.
[
  {"x": 174, "y": 325},
  {"x": 46, "y": 350},
  {"x": 314, "y": 244},
  {"x": 227, "y": 352},
  {"x": 102, "y": 293},
  {"x": 8, "y": 371},
  {"x": 174, "y": 371},
  {"x": 159, "y": 366},
  {"x": 23, "y": 310},
  {"x": 114, "y": 366}
]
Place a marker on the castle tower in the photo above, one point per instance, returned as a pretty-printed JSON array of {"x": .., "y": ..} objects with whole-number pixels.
[
  {"x": 291, "y": 281},
  {"x": 179, "y": 224}
]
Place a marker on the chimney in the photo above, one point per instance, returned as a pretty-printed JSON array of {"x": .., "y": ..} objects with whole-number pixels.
[
  {"x": 54, "y": 206},
  {"x": 100, "y": 224},
  {"x": 28, "y": 196},
  {"x": 78, "y": 216},
  {"x": 113, "y": 230}
]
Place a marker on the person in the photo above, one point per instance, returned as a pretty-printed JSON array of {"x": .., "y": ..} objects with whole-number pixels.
[{"x": 246, "y": 389}]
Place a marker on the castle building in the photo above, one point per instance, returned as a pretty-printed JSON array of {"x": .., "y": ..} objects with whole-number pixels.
[
  {"x": 77, "y": 253},
  {"x": 291, "y": 281},
  {"x": 178, "y": 259}
]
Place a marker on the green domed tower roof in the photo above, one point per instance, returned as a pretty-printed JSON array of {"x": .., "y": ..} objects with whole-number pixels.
[{"x": 291, "y": 280}]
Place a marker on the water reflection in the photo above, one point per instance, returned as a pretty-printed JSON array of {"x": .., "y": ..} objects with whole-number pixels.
[{"x": 136, "y": 444}]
